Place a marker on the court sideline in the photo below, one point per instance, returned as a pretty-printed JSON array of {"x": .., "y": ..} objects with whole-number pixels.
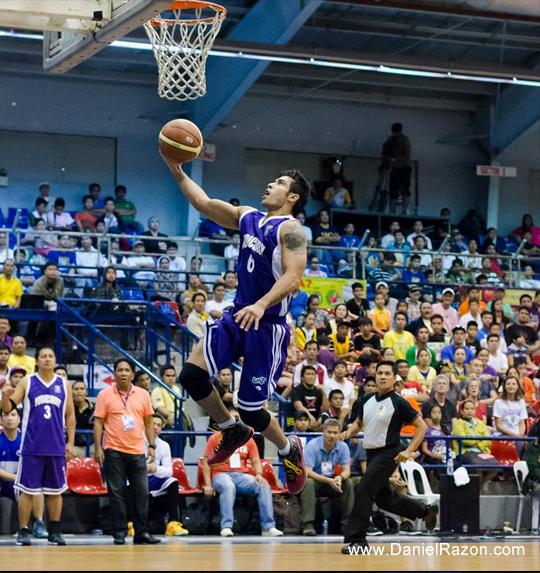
[{"x": 90, "y": 553}]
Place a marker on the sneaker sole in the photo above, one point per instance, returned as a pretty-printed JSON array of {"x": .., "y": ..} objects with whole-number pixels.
[
  {"x": 298, "y": 488},
  {"x": 410, "y": 533},
  {"x": 224, "y": 458},
  {"x": 375, "y": 534},
  {"x": 19, "y": 544},
  {"x": 56, "y": 544}
]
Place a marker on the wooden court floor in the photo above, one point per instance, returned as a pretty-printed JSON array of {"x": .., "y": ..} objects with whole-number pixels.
[{"x": 85, "y": 553}]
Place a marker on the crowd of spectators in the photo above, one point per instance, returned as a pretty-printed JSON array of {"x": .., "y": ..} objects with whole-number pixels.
[{"x": 469, "y": 365}]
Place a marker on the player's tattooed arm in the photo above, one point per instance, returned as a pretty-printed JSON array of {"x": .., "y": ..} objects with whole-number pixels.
[
  {"x": 293, "y": 264},
  {"x": 295, "y": 240}
]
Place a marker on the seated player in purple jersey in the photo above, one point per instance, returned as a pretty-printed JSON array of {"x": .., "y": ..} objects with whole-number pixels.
[
  {"x": 10, "y": 444},
  {"x": 48, "y": 409},
  {"x": 271, "y": 263}
]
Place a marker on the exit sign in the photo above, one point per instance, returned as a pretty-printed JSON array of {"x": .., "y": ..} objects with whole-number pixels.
[{"x": 496, "y": 171}]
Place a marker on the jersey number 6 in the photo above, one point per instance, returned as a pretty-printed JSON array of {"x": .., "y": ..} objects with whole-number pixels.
[{"x": 250, "y": 264}]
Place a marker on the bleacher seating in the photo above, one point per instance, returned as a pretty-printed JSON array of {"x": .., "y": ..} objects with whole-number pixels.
[{"x": 84, "y": 477}]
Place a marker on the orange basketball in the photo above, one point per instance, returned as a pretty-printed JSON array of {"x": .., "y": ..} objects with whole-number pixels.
[{"x": 180, "y": 140}]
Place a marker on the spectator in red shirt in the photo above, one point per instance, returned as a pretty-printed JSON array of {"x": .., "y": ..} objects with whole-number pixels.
[
  {"x": 235, "y": 476},
  {"x": 85, "y": 219}
]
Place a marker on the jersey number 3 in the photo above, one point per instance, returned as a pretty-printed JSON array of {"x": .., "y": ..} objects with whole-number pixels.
[
  {"x": 251, "y": 264},
  {"x": 47, "y": 413}
]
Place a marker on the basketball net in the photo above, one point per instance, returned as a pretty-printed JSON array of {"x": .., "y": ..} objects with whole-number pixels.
[{"x": 181, "y": 47}]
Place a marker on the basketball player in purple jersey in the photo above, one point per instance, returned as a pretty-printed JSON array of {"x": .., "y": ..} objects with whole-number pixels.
[
  {"x": 271, "y": 262},
  {"x": 48, "y": 408}
]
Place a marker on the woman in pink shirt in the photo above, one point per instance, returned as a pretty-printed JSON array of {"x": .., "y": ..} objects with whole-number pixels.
[{"x": 527, "y": 225}]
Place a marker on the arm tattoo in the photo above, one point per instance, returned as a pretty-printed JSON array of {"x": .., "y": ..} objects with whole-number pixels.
[
  {"x": 278, "y": 298},
  {"x": 295, "y": 241}
]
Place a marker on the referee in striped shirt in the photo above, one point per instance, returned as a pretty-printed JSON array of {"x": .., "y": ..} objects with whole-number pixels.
[{"x": 382, "y": 415}]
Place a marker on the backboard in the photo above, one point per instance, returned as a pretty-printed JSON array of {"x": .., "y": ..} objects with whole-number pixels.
[{"x": 74, "y": 30}]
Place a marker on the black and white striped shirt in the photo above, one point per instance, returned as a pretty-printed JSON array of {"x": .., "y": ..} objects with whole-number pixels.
[{"x": 383, "y": 418}]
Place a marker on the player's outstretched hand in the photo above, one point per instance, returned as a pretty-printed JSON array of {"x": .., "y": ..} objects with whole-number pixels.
[
  {"x": 248, "y": 316},
  {"x": 173, "y": 165}
]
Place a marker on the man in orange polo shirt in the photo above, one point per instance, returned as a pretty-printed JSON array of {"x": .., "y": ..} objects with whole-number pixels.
[
  {"x": 125, "y": 411},
  {"x": 235, "y": 476}
]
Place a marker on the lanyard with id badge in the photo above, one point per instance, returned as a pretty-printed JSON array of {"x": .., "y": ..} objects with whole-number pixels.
[{"x": 128, "y": 421}]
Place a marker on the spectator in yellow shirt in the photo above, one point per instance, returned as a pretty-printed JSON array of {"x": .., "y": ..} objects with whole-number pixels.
[
  {"x": 422, "y": 372},
  {"x": 19, "y": 358},
  {"x": 11, "y": 289},
  {"x": 380, "y": 316},
  {"x": 197, "y": 318},
  {"x": 399, "y": 339},
  {"x": 304, "y": 334},
  {"x": 341, "y": 344},
  {"x": 337, "y": 196},
  {"x": 162, "y": 399}
]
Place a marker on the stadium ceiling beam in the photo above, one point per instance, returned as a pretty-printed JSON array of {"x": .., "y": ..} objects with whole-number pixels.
[
  {"x": 420, "y": 32},
  {"x": 229, "y": 79},
  {"x": 508, "y": 115},
  {"x": 289, "y": 73},
  {"x": 420, "y": 63},
  {"x": 356, "y": 98},
  {"x": 443, "y": 8}
]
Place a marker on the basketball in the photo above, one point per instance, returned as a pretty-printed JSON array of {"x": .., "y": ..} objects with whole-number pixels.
[{"x": 180, "y": 140}]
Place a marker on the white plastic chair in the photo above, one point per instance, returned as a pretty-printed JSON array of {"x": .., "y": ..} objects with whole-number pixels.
[
  {"x": 520, "y": 472},
  {"x": 409, "y": 469}
]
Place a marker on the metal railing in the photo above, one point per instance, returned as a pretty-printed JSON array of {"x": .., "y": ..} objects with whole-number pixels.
[
  {"x": 511, "y": 267},
  {"x": 180, "y": 437},
  {"x": 69, "y": 318},
  {"x": 196, "y": 247}
]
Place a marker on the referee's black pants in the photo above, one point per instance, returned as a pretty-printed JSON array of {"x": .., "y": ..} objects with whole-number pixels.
[{"x": 374, "y": 488}]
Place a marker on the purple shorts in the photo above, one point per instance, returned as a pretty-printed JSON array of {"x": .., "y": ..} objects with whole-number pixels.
[
  {"x": 41, "y": 474},
  {"x": 264, "y": 352}
]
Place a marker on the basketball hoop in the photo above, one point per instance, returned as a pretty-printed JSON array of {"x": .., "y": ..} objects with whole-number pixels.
[{"x": 181, "y": 47}]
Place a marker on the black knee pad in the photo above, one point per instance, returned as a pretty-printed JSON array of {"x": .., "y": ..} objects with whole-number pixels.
[
  {"x": 259, "y": 420},
  {"x": 196, "y": 381}
]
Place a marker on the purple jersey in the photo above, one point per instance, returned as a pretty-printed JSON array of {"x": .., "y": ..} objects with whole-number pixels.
[
  {"x": 259, "y": 260},
  {"x": 43, "y": 417}
]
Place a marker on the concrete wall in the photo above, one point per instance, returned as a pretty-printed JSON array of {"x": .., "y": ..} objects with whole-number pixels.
[
  {"x": 521, "y": 194},
  {"x": 62, "y": 105},
  {"x": 446, "y": 172}
]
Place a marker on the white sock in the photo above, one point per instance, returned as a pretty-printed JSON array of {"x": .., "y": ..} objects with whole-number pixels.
[
  {"x": 286, "y": 450},
  {"x": 230, "y": 422}
]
